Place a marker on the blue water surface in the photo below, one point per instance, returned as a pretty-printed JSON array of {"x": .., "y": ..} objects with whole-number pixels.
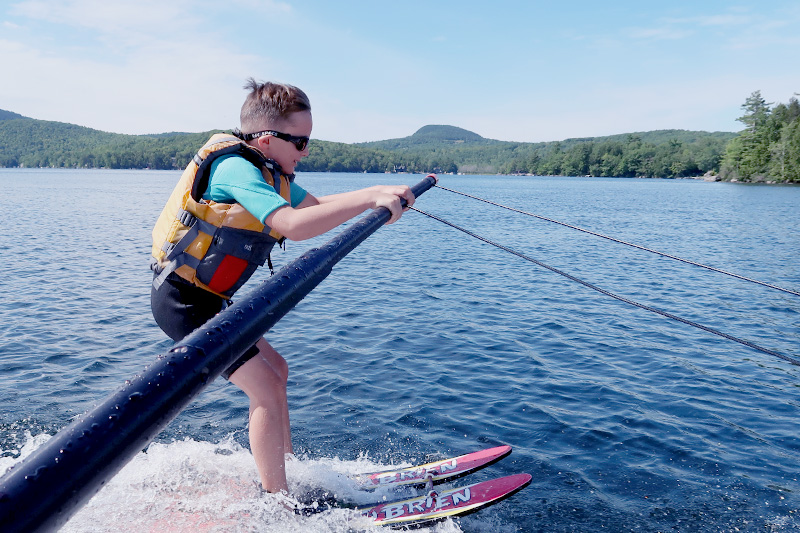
[{"x": 425, "y": 342}]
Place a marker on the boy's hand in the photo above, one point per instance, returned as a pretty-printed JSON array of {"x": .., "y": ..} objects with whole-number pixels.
[
  {"x": 389, "y": 196},
  {"x": 402, "y": 191}
]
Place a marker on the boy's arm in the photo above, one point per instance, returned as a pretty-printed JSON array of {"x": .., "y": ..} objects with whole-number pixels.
[
  {"x": 340, "y": 196},
  {"x": 315, "y": 216}
]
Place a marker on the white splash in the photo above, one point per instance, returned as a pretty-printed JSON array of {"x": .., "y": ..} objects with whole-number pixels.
[{"x": 202, "y": 487}]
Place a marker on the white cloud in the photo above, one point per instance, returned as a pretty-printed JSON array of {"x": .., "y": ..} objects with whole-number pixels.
[
  {"x": 142, "y": 67},
  {"x": 726, "y": 20},
  {"x": 738, "y": 28},
  {"x": 140, "y": 18},
  {"x": 667, "y": 32}
]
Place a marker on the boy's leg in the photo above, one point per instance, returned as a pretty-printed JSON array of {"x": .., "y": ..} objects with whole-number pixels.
[
  {"x": 281, "y": 367},
  {"x": 263, "y": 378}
]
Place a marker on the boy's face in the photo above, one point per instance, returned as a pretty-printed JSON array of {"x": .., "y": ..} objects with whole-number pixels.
[{"x": 284, "y": 152}]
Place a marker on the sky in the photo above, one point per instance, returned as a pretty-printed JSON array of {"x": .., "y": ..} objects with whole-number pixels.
[{"x": 523, "y": 70}]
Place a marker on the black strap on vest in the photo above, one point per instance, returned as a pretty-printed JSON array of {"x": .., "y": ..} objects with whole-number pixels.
[{"x": 204, "y": 166}]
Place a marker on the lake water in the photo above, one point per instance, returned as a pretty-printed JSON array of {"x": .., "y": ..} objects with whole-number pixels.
[{"x": 425, "y": 343}]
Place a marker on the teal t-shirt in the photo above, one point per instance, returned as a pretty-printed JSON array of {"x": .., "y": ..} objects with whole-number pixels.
[{"x": 235, "y": 179}]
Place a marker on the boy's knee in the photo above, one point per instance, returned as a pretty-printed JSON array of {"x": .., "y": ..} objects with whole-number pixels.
[
  {"x": 267, "y": 389},
  {"x": 282, "y": 369},
  {"x": 274, "y": 360},
  {"x": 276, "y": 379}
]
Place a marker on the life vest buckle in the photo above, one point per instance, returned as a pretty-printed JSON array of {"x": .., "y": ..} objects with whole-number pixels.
[{"x": 186, "y": 218}]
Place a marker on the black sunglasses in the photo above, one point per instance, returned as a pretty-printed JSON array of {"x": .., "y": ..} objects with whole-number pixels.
[{"x": 299, "y": 142}]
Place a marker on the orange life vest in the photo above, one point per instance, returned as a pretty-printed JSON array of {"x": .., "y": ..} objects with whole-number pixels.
[{"x": 214, "y": 245}]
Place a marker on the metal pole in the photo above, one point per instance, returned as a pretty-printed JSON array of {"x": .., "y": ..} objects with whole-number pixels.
[{"x": 42, "y": 492}]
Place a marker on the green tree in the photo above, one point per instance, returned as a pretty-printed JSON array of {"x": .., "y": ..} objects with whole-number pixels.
[
  {"x": 785, "y": 151},
  {"x": 768, "y": 146},
  {"x": 755, "y": 139}
]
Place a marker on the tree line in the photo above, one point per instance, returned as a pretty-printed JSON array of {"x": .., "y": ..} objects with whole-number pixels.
[
  {"x": 767, "y": 150},
  {"x": 27, "y": 142},
  {"x": 630, "y": 157},
  {"x": 684, "y": 154},
  {"x": 769, "y": 147}
]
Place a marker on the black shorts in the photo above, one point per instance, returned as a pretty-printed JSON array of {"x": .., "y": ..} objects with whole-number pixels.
[{"x": 180, "y": 308}]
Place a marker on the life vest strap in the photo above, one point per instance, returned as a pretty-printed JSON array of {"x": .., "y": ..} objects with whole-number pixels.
[
  {"x": 174, "y": 250},
  {"x": 195, "y": 225},
  {"x": 172, "y": 266}
]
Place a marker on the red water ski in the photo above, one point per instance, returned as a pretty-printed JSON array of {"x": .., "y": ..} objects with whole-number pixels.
[
  {"x": 436, "y": 506},
  {"x": 435, "y": 472}
]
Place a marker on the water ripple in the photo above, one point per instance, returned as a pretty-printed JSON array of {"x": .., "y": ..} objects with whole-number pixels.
[{"x": 425, "y": 343}]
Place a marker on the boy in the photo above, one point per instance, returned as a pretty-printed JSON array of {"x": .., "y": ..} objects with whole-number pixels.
[{"x": 240, "y": 190}]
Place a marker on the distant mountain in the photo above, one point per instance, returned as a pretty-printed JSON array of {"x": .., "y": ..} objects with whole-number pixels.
[
  {"x": 446, "y": 133},
  {"x": 8, "y": 115},
  {"x": 431, "y": 135}
]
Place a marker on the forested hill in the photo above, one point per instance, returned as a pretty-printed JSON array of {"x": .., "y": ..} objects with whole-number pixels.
[
  {"x": 450, "y": 135},
  {"x": 7, "y": 115},
  {"x": 431, "y": 136},
  {"x": 26, "y": 142}
]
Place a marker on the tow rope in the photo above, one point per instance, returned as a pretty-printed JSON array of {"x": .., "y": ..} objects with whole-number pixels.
[
  {"x": 790, "y": 291},
  {"x": 628, "y": 301}
]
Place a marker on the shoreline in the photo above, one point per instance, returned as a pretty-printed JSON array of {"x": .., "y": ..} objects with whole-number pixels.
[{"x": 708, "y": 177}]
